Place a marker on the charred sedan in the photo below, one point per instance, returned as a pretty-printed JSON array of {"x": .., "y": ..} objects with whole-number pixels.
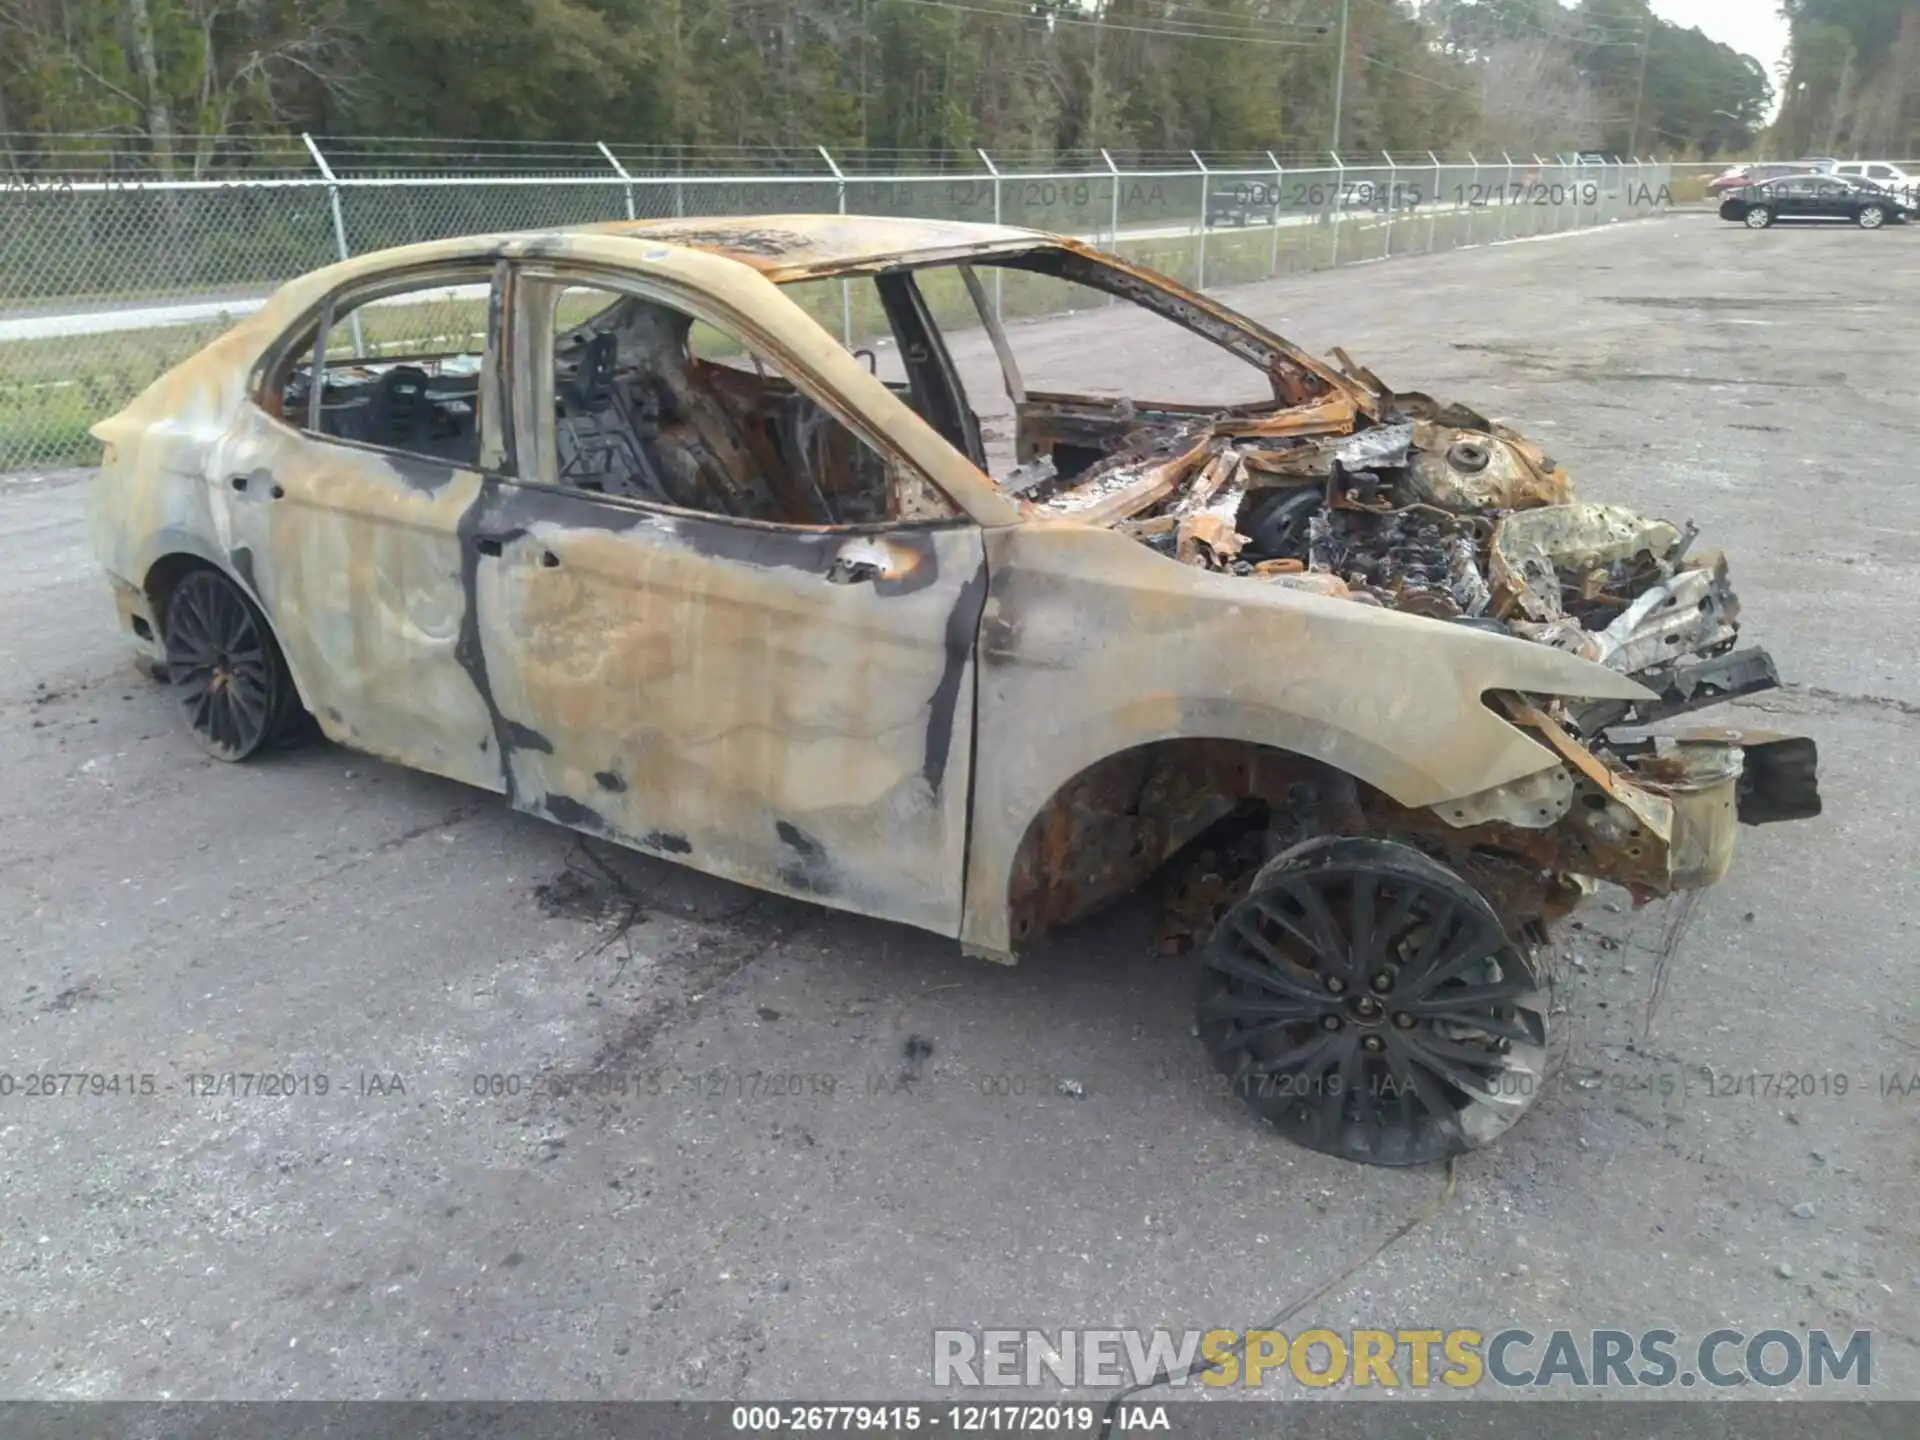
[{"x": 622, "y": 533}]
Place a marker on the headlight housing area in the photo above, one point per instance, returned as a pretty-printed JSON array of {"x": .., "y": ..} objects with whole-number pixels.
[{"x": 1654, "y": 814}]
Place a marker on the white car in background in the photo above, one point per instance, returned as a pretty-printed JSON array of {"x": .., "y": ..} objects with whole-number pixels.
[{"x": 1885, "y": 174}]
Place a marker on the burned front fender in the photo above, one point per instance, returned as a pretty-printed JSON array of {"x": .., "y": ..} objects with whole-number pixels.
[
  {"x": 1656, "y": 816},
  {"x": 1092, "y": 646}
]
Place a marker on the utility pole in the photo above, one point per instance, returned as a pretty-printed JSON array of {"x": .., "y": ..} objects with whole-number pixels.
[
  {"x": 1093, "y": 90},
  {"x": 1640, "y": 89},
  {"x": 1339, "y": 76}
]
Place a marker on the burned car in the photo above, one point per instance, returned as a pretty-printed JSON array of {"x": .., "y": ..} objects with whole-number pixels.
[{"x": 621, "y": 531}]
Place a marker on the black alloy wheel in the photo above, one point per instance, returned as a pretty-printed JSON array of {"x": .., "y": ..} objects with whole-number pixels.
[
  {"x": 1368, "y": 1003},
  {"x": 224, "y": 668}
]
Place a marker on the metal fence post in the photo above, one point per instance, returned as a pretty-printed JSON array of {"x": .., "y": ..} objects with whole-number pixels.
[
  {"x": 1506, "y": 194},
  {"x": 846, "y": 286},
  {"x": 1339, "y": 202},
  {"x": 1113, "y": 224},
  {"x": 1433, "y": 213},
  {"x": 1393, "y": 200},
  {"x": 339, "y": 230},
  {"x": 1279, "y": 185},
  {"x": 621, "y": 171},
  {"x": 999, "y": 307},
  {"x": 1206, "y": 178}
]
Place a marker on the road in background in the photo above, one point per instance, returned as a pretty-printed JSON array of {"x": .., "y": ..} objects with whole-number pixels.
[{"x": 55, "y": 322}]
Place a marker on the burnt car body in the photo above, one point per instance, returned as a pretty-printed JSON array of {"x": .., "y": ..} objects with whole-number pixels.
[
  {"x": 1350, "y": 671},
  {"x": 1814, "y": 197}
]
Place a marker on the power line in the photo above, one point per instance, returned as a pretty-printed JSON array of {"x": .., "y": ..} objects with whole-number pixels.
[
  {"x": 1214, "y": 29},
  {"x": 1595, "y": 35},
  {"x": 1424, "y": 79},
  {"x": 1557, "y": 112}
]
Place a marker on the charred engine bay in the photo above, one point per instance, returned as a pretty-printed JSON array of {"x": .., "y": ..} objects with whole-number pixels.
[{"x": 1437, "y": 511}]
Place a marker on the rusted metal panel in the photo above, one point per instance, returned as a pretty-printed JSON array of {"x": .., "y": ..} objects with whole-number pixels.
[
  {"x": 705, "y": 690},
  {"x": 1091, "y": 645},
  {"x": 799, "y": 247},
  {"x": 358, "y": 562}
]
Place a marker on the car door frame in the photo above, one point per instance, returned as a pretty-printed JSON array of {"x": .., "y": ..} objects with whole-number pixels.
[
  {"x": 1046, "y": 421},
  {"x": 1836, "y": 197},
  {"x": 706, "y": 688},
  {"x": 1774, "y": 195},
  {"x": 353, "y": 550},
  {"x": 1802, "y": 195}
]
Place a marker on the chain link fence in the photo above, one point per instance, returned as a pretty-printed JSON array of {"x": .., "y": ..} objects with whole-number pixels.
[{"x": 106, "y": 280}]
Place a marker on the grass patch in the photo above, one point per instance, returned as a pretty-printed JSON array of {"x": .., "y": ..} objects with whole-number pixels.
[
  {"x": 52, "y": 390},
  {"x": 1688, "y": 190}
]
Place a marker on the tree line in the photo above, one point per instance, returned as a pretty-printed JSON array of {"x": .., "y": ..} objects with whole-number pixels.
[
  {"x": 184, "y": 79},
  {"x": 1853, "y": 84}
]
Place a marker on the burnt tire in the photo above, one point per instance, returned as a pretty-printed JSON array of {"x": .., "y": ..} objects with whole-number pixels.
[
  {"x": 1366, "y": 1002},
  {"x": 225, "y": 669}
]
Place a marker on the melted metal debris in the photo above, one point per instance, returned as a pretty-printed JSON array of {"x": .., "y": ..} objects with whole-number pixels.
[{"x": 1437, "y": 511}]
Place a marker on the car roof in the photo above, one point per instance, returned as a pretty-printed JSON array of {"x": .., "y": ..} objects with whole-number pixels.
[{"x": 791, "y": 247}]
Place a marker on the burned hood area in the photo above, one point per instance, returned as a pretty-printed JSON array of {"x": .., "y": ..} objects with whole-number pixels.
[
  {"x": 1406, "y": 502},
  {"x": 1434, "y": 510}
]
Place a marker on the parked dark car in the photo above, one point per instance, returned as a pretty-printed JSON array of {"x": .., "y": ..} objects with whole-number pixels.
[
  {"x": 1243, "y": 202},
  {"x": 1813, "y": 197}
]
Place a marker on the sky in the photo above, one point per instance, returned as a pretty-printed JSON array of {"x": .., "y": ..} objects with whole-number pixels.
[{"x": 1753, "y": 27}]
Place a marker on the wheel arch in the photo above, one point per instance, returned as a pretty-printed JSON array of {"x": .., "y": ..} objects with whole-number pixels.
[
  {"x": 1113, "y": 824},
  {"x": 176, "y": 556}
]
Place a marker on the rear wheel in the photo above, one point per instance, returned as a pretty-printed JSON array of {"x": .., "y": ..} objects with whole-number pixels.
[
  {"x": 1367, "y": 1002},
  {"x": 1871, "y": 217},
  {"x": 1759, "y": 217},
  {"x": 224, "y": 668}
]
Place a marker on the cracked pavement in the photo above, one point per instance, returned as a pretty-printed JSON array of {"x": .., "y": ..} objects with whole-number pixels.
[{"x": 838, "y": 1134}]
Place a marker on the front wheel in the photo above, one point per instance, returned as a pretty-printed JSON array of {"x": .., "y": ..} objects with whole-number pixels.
[
  {"x": 225, "y": 669},
  {"x": 1871, "y": 217},
  {"x": 1367, "y": 1002},
  {"x": 1759, "y": 218}
]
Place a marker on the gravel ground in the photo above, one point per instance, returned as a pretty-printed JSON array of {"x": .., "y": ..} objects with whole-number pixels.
[{"x": 410, "y": 1233}]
